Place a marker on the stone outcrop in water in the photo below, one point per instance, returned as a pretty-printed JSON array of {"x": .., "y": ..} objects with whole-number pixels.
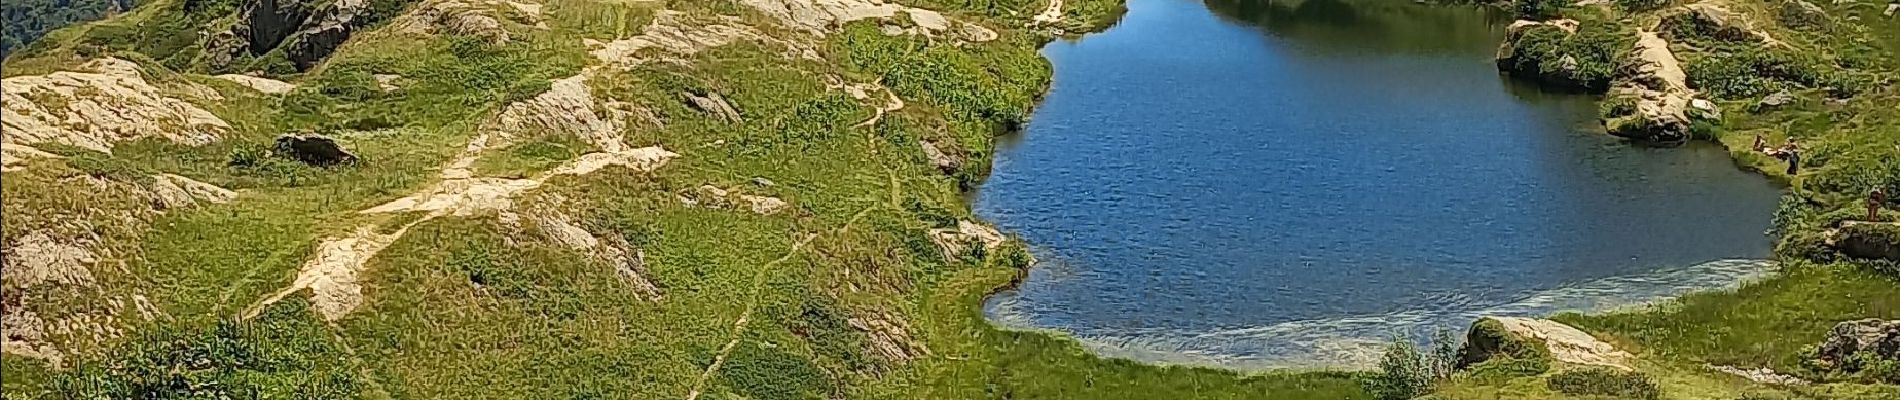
[
  {"x": 1653, "y": 83},
  {"x": 1534, "y": 50}
]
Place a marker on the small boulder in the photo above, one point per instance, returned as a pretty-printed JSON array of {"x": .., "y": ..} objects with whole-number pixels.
[
  {"x": 712, "y": 104},
  {"x": 1801, "y": 14},
  {"x": 314, "y": 149},
  {"x": 943, "y": 161},
  {"x": 1776, "y": 100},
  {"x": 1849, "y": 340},
  {"x": 1703, "y": 109},
  {"x": 957, "y": 242}
]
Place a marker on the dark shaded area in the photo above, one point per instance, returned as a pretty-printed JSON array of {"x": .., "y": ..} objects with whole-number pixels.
[
  {"x": 24, "y": 21},
  {"x": 1369, "y": 25}
]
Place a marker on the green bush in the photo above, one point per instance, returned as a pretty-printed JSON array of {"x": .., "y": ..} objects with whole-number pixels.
[
  {"x": 1642, "y": 5},
  {"x": 285, "y": 352},
  {"x": 1538, "y": 10},
  {"x": 1616, "y": 107},
  {"x": 1403, "y": 374},
  {"x": 1585, "y": 60},
  {"x": 1406, "y": 373},
  {"x": 105, "y": 166},
  {"x": 1752, "y": 73},
  {"x": 1605, "y": 382},
  {"x": 1498, "y": 371}
]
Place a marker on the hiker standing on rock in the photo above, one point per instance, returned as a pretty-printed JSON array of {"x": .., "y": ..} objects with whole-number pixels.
[
  {"x": 1792, "y": 152},
  {"x": 1875, "y": 199}
]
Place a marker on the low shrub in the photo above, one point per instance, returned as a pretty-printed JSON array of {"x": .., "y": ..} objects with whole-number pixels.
[
  {"x": 1642, "y": 5},
  {"x": 1403, "y": 374},
  {"x": 1585, "y": 60},
  {"x": 1754, "y": 73},
  {"x": 1605, "y": 382},
  {"x": 1538, "y": 10},
  {"x": 1616, "y": 107}
]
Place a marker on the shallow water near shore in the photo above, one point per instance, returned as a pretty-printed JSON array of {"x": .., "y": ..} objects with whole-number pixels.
[{"x": 1264, "y": 184}]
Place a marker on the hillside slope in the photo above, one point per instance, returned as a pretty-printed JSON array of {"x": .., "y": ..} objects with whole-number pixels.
[{"x": 541, "y": 199}]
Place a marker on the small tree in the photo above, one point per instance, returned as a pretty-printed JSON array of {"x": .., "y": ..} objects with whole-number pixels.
[{"x": 1403, "y": 373}]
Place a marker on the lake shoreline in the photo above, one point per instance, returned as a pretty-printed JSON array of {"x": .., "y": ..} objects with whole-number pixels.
[{"x": 1113, "y": 352}]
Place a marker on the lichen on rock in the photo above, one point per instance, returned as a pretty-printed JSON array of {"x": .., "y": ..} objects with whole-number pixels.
[{"x": 95, "y": 110}]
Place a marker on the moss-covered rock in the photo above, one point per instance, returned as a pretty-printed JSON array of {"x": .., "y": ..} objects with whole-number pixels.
[
  {"x": 1868, "y": 240},
  {"x": 1489, "y": 339}
]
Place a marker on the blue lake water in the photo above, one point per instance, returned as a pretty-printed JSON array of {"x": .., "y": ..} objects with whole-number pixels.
[{"x": 1261, "y": 184}]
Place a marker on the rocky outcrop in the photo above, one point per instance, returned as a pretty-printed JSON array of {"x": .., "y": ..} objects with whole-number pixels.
[
  {"x": 1530, "y": 51},
  {"x": 943, "y": 161},
  {"x": 1867, "y": 240},
  {"x": 713, "y": 197},
  {"x": 174, "y": 192},
  {"x": 1654, "y": 81},
  {"x": 476, "y": 18},
  {"x": 822, "y": 16},
  {"x": 1715, "y": 21},
  {"x": 1851, "y": 342},
  {"x": 1801, "y": 14},
  {"x": 265, "y": 85},
  {"x": 306, "y": 30},
  {"x": 713, "y": 105},
  {"x": 94, "y": 110},
  {"x": 314, "y": 149},
  {"x": 1516, "y": 337},
  {"x": 958, "y": 242}
]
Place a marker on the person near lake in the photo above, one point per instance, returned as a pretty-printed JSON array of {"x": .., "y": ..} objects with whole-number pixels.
[
  {"x": 1790, "y": 152},
  {"x": 1875, "y": 199}
]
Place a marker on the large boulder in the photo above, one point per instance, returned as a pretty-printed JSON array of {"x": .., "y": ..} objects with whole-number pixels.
[
  {"x": 1849, "y": 341},
  {"x": 306, "y": 30},
  {"x": 108, "y": 102},
  {"x": 314, "y": 149},
  {"x": 1531, "y": 338},
  {"x": 1869, "y": 240},
  {"x": 1654, "y": 82}
]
